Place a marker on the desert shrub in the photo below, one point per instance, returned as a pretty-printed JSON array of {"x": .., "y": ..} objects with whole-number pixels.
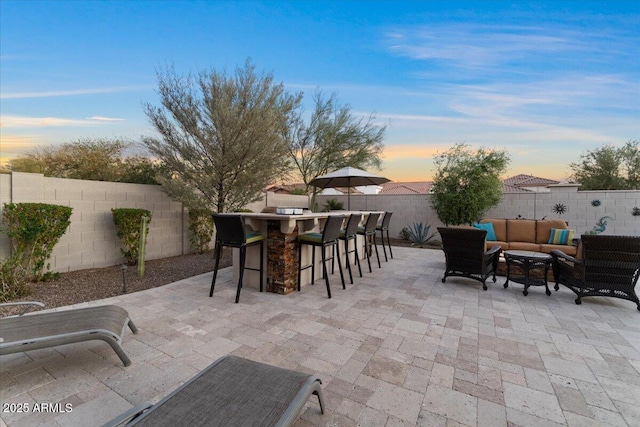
[
  {"x": 34, "y": 230},
  {"x": 333, "y": 205},
  {"x": 245, "y": 210},
  {"x": 418, "y": 234},
  {"x": 127, "y": 221},
  {"x": 14, "y": 279},
  {"x": 201, "y": 228}
]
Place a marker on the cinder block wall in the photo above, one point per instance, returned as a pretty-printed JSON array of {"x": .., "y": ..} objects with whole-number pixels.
[
  {"x": 580, "y": 213},
  {"x": 91, "y": 241}
]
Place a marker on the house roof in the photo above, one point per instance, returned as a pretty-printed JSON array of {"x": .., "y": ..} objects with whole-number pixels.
[
  {"x": 419, "y": 187},
  {"x": 529, "y": 181},
  {"x": 507, "y": 188}
]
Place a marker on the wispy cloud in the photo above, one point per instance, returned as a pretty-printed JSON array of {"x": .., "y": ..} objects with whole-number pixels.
[
  {"x": 72, "y": 92},
  {"x": 105, "y": 119},
  {"x": 40, "y": 122}
]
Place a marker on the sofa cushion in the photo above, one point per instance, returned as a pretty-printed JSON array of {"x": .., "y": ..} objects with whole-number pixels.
[
  {"x": 521, "y": 230},
  {"x": 499, "y": 227},
  {"x": 544, "y": 226},
  {"x": 524, "y": 246},
  {"x": 491, "y": 234},
  {"x": 567, "y": 249},
  {"x": 561, "y": 237},
  {"x": 488, "y": 245}
]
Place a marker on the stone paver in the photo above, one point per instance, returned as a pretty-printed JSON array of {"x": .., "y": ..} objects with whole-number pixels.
[{"x": 397, "y": 348}]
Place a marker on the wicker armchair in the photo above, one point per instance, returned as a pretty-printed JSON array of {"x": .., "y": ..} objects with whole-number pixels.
[
  {"x": 606, "y": 266},
  {"x": 465, "y": 255}
]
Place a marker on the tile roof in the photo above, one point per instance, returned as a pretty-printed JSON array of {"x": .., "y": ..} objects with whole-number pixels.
[
  {"x": 419, "y": 187},
  {"x": 529, "y": 181}
]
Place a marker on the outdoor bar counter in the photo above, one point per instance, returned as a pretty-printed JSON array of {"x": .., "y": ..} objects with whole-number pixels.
[{"x": 281, "y": 253}]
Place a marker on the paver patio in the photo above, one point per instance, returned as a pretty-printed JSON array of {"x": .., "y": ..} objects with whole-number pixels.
[{"x": 397, "y": 348}]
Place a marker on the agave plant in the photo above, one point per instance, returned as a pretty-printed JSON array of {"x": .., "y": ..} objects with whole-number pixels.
[{"x": 418, "y": 234}]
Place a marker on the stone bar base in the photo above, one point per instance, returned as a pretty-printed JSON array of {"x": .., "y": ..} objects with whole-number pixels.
[{"x": 282, "y": 259}]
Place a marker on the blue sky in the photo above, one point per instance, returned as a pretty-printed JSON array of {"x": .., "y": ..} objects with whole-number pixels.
[{"x": 545, "y": 81}]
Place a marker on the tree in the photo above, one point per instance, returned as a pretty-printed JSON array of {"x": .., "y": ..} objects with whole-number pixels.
[
  {"x": 221, "y": 136},
  {"x": 99, "y": 159},
  {"x": 609, "y": 168},
  {"x": 467, "y": 183},
  {"x": 332, "y": 139}
]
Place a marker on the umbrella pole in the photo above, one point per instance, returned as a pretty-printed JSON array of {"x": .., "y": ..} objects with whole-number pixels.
[{"x": 349, "y": 194}]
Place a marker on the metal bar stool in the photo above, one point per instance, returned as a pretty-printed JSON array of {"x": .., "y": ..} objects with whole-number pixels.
[
  {"x": 350, "y": 232},
  {"x": 328, "y": 238},
  {"x": 384, "y": 227},
  {"x": 230, "y": 232},
  {"x": 369, "y": 233}
]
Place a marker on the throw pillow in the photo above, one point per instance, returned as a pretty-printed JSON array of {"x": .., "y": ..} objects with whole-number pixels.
[
  {"x": 491, "y": 233},
  {"x": 561, "y": 236}
]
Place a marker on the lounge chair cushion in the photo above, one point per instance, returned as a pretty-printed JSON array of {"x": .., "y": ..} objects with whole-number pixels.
[
  {"x": 234, "y": 391},
  {"x": 48, "y": 329}
]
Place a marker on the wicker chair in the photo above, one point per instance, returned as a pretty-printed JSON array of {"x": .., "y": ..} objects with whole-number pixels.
[
  {"x": 465, "y": 255},
  {"x": 606, "y": 266}
]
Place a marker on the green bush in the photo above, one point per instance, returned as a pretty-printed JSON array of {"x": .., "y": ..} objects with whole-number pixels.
[
  {"x": 333, "y": 205},
  {"x": 418, "y": 234},
  {"x": 201, "y": 228},
  {"x": 127, "y": 221},
  {"x": 34, "y": 229}
]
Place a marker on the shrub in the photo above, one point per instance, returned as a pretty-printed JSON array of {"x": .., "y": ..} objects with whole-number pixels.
[
  {"x": 14, "y": 279},
  {"x": 418, "y": 234},
  {"x": 34, "y": 229},
  {"x": 127, "y": 221},
  {"x": 333, "y": 205},
  {"x": 201, "y": 228}
]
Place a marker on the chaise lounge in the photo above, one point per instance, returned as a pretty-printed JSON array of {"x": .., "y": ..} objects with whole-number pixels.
[
  {"x": 42, "y": 330},
  {"x": 231, "y": 392}
]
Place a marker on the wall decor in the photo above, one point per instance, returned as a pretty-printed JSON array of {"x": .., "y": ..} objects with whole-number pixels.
[
  {"x": 600, "y": 226},
  {"x": 635, "y": 211},
  {"x": 595, "y": 203},
  {"x": 559, "y": 208}
]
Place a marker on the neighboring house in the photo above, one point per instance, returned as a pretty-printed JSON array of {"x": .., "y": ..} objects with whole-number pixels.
[
  {"x": 417, "y": 187},
  {"x": 520, "y": 183},
  {"x": 515, "y": 184},
  {"x": 284, "y": 188}
]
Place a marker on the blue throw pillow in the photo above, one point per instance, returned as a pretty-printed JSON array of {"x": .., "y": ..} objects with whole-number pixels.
[{"x": 491, "y": 233}]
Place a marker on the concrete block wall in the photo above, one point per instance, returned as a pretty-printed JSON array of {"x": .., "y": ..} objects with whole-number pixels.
[
  {"x": 580, "y": 213},
  {"x": 91, "y": 240}
]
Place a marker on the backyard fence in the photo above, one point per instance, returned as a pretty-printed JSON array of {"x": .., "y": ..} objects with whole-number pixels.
[
  {"x": 583, "y": 210},
  {"x": 91, "y": 241}
]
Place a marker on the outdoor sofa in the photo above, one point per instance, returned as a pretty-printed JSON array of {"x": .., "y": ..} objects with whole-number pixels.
[{"x": 529, "y": 235}]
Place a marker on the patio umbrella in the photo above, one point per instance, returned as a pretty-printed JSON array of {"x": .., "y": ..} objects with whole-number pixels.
[{"x": 348, "y": 177}]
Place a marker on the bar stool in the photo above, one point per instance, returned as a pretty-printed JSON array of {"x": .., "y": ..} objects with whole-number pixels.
[
  {"x": 369, "y": 233},
  {"x": 230, "y": 232},
  {"x": 350, "y": 232},
  {"x": 382, "y": 228},
  {"x": 328, "y": 238}
]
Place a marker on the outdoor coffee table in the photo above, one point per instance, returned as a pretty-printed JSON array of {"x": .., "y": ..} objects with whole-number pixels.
[{"x": 526, "y": 262}]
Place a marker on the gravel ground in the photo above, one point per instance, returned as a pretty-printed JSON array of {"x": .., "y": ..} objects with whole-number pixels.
[{"x": 98, "y": 283}]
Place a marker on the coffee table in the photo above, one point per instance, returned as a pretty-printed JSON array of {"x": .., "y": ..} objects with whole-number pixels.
[{"x": 526, "y": 262}]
